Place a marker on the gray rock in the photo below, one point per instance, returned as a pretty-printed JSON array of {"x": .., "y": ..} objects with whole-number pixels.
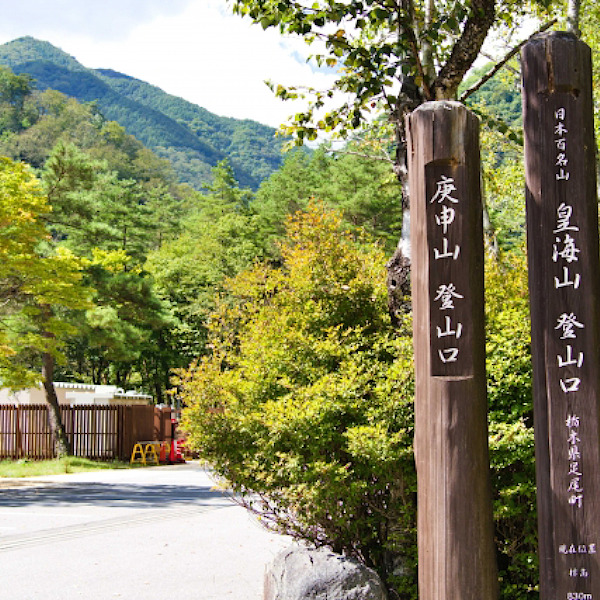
[{"x": 304, "y": 574}]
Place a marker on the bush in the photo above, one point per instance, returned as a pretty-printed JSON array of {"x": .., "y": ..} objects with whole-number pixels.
[
  {"x": 306, "y": 400},
  {"x": 306, "y": 404},
  {"x": 509, "y": 375}
]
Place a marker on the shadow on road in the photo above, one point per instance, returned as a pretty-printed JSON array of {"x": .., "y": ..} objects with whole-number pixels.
[{"x": 112, "y": 495}]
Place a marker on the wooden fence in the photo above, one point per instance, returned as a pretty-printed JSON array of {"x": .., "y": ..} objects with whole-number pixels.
[{"x": 97, "y": 432}]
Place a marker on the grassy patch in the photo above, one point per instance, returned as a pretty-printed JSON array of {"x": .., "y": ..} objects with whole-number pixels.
[{"x": 70, "y": 464}]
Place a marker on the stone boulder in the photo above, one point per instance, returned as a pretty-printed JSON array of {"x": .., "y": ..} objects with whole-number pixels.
[{"x": 303, "y": 574}]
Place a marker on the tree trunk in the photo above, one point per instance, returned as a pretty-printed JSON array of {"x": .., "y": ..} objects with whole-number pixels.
[
  {"x": 398, "y": 267},
  {"x": 489, "y": 233},
  {"x": 57, "y": 429},
  {"x": 426, "y": 45},
  {"x": 398, "y": 277},
  {"x": 573, "y": 11}
]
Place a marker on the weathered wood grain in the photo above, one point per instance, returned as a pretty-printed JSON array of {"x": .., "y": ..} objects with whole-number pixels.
[
  {"x": 455, "y": 530},
  {"x": 564, "y": 280}
]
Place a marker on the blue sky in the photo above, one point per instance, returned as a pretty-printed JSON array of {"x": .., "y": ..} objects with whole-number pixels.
[{"x": 195, "y": 49}]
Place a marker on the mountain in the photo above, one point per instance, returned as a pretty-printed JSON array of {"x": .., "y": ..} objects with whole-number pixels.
[{"x": 193, "y": 138}]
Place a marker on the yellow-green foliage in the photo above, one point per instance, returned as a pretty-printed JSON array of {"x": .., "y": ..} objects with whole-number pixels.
[
  {"x": 31, "y": 280},
  {"x": 511, "y": 425},
  {"x": 590, "y": 26},
  {"x": 306, "y": 399}
]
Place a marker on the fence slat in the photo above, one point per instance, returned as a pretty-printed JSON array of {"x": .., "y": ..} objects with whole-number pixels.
[{"x": 98, "y": 432}]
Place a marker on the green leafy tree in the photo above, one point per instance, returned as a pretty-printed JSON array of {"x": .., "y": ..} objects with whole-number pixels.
[
  {"x": 306, "y": 399},
  {"x": 15, "y": 111},
  {"x": 504, "y": 201},
  {"x": 20, "y": 232},
  {"x": 287, "y": 191},
  {"x": 366, "y": 193},
  {"x": 306, "y": 404},
  {"x": 56, "y": 117},
  {"x": 112, "y": 201},
  {"x": 36, "y": 287},
  {"x": 122, "y": 337},
  {"x": 93, "y": 208},
  {"x": 590, "y": 25},
  {"x": 364, "y": 190},
  {"x": 111, "y": 222},
  {"x": 224, "y": 187},
  {"x": 390, "y": 56},
  {"x": 499, "y": 96},
  {"x": 220, "y": 237}
]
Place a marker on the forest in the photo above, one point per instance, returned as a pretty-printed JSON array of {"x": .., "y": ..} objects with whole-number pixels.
[
  {"x": 193, "y": 139},
  {"x": 261, "y": 304}
]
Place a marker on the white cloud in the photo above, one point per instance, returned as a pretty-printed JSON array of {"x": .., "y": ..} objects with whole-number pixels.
[{"x": 202, "y": 53}]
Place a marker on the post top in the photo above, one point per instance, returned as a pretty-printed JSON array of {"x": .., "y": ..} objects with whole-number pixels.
[
  {"x": 548, "y": 37},
  {"x": 437, "y": 105},
  {"x": 556, "y": 61}
]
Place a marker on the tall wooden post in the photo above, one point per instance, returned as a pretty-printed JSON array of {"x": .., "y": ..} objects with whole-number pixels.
[
  {"x": 564, "y": 281},
  {"x": 454, "y": 528}
]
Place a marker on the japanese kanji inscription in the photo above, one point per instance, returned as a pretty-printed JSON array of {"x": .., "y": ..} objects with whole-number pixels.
[
  {"x": 564, "y": 272},
  {"x": 450, "y": 303},
  {"x": 451, "y": 451}
]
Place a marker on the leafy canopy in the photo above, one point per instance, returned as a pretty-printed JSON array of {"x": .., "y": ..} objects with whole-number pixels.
[
  {"x": 31, "y": 279},
  {"x": 389, "y": 54},
  {"x": 306, "y": 401},
  {"x": 306, "y": 397}
]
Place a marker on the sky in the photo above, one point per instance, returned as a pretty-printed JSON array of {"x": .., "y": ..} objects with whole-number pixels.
[{"x": 195, "y": 49}]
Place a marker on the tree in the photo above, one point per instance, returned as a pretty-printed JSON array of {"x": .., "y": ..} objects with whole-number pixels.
[
  {"x": 125, "y": 330},
  {"x": 391, "y": 56},
  {"x": 109, "y": 201},
  {"x": 20, "y": 232},
  {"x": 220, "y": 237},
  {"x": 36, "y": 284},
  {"x": 111, "y": 221},
  {"x": 305, "y": 399},
  {"x": 54, "y": 117},
  {"x": 503, "y": 195},
  {"x": 15, "y": 115},
  {"x": 509, "y": 376},
  {"x": 590, "y": 25},
  {"x": 364, "y": 190}
]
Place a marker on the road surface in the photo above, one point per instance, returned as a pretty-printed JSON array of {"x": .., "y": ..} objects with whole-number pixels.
[{"x": 156, "y": 533}]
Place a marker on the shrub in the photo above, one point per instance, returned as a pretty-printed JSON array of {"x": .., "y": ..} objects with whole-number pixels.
[
  {"x": 509, "y": 375},
  {"x": 306, "y": 400},
  {"x": 305, "y": 404}
]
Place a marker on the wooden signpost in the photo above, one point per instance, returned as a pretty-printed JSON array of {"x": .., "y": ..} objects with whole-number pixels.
[
  {"x": 562, "y": 228},
  {"x": 455, "y": 529}
]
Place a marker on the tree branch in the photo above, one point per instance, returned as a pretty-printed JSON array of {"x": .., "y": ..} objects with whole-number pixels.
[
  {"x": 386, "y": 159},
  {"x": 466, "y": 49},
  {"x": 573, "y": 10},
  {"x": 494, "y": 58},
  {"x": 407, "y": 7},
  {"x": 502, "y": 62}
]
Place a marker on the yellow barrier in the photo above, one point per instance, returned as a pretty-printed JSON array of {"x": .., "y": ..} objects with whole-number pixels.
[{"x": 145, "y": 451}]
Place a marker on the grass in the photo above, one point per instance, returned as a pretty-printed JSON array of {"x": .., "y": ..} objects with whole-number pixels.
[{"x": 69, "y": 464}]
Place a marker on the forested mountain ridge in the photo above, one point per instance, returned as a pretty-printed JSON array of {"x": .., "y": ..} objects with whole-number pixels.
[{"x": 194, "y": 139}]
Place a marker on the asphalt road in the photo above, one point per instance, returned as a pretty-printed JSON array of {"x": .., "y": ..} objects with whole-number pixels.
[{"x": 143, "y": 534}]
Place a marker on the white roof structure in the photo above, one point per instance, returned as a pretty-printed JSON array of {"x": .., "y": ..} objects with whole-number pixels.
[{"x": 76, "y": 393}]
